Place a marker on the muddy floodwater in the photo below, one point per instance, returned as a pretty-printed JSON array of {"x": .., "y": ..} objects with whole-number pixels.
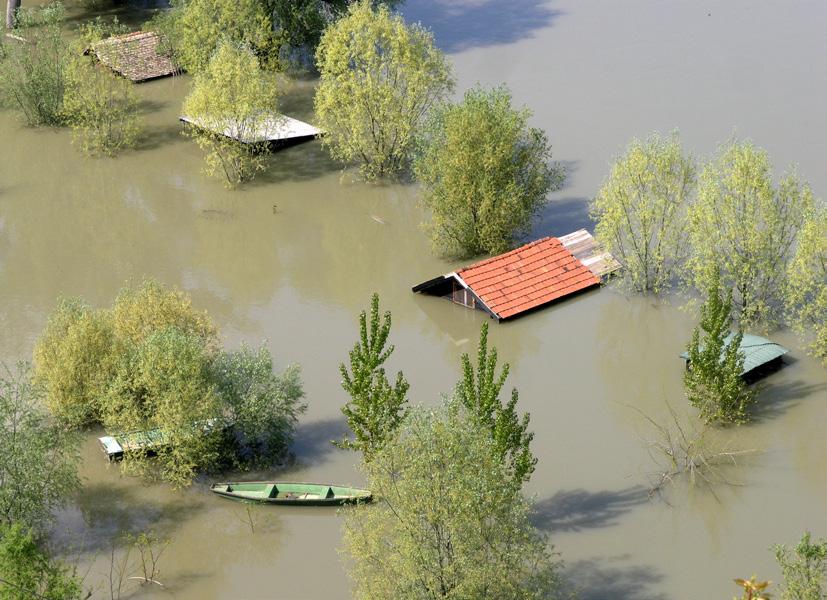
[{"x": 294, "y": 256}]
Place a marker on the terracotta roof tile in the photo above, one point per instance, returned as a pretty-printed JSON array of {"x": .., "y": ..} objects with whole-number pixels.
[{"x": 527, "y": 277}]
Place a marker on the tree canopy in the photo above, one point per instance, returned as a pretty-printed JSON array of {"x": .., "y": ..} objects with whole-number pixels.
[
  {"x": 152, "y": 361},
  {"x": 744, "y": 228},
  {"x": 443, "y": 524},
  {"x": 485, "y": 173},
  {"x": 807, "y": 291},
  {"x": 640, "y": 211},
  {"x": 378, "y": 78},
  {"x": 232, "y": 94},
  {"x": 479, "y": 392},
  {"x": 38, "y": 458}
]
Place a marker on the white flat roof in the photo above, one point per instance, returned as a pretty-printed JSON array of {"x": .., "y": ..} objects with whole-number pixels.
[{"x": 275, "y": 128}]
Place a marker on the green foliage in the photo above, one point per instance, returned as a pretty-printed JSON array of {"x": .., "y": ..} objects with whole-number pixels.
[
  {"x": 745, "y": 228},
  {"x": 32, "y": 76},
  {"x": 232, "y": 94},
  {"x": 807, "y": 290},
  {"x": 153, "y": 361},
  {"x": 74, "y": 360},
  {"x": 198, "y": 28},
  {"x": 262, "y": 407},
  {"x": 804, "y": 569},
  {"x": 479, "y": 393},
  {"x": 38, "y": 460},
  {"x": 640, "y": 211},
  {"x": 713, "y": 379},
  {"x": 165, "y": 383},
  {"x": 484, "y": 171},
  {"x": 27, "y": 572},
  {"x": 376, "y": 407},
  {"x": 379, "y": 78},
  {"x": 444, "y": 525},
  {"x": 101, "y": 107}
]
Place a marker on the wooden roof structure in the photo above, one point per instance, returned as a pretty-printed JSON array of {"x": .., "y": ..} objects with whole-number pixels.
[
  {"x": 135, "y": 56},
  {"x": 274, "y": 129},
  {"x": 527, "y": 277}
]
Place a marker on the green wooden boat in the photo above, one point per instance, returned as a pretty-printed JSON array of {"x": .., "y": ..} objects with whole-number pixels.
[{"x": 282, "y": 492}]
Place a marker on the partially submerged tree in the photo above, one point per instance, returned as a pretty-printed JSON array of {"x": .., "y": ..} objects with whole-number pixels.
[
  {"x": 444, "y": 525},
  {"x": 807, "y": 291},
  {"x": 640, "y": 211},
  {"x": 153, "y": 362},
  {"x": 379, "y": 78},
  {"x": 231, "y": 101},
  {"x": 376, "y": 407},
  {"x": 38, "y": 459},
  {"x": 804, "y": 568},
  {"x": 101, "y": 107},
  {"x": 32, "y": 75},
  {"x": 261, "y": 407},
  {"x": 199, "y": 28},
  {"x": 744, "y": 228},
  {"x": 715, "y": 362},
  {"x": 479, "y": 393},
  {"x": 27, "y": 572},
  {"x": 484, "y": 171}
]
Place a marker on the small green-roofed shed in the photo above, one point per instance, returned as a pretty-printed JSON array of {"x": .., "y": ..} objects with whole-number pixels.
[{"x": 758, "y": 351}]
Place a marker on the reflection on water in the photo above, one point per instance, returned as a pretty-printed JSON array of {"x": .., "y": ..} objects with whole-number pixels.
[{"x": 293, "y": 258}]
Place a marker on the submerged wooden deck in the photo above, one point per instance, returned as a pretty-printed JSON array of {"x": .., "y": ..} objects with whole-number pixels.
[
  {"x": 585, "y": 248},
  {"x": 275, "y": 129}
]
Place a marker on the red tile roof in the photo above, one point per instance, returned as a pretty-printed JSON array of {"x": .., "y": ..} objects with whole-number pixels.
[{"x": 527, "y": 277}]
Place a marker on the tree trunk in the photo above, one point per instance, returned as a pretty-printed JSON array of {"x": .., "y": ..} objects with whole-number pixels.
[{"x": 11, "y": 10}]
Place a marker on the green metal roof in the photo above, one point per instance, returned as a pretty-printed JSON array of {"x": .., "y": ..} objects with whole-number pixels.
[{"x": 757, "y": 351}]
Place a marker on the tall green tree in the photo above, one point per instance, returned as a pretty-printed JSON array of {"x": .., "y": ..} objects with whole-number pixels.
[
  {"x": 233, "y": 95},
  {"x": 376, "y": 407},
  {"x": 745, "y": 228},
  {"x": 479, "y": 392},
  {"x": 715, "y": 361},
  {"x": 804, "y": 569},
  {"x": 27, "y": 572},
  {"x": 640, "y": 211},
  {"x": 379, "y": 78},
  {"x": 807, "y": 290},
  {"x": 38, "y": 458},
  {"x": 485, "y": 173},
  {"x": 32, "y": 75},
  {"x": 444, "y": 526}
]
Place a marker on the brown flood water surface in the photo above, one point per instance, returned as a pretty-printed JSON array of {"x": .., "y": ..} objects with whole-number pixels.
[{"x": 294, "y": 256}]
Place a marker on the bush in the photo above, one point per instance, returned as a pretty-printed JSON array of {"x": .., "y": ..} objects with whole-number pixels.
[
  {"x": 379, "y": 78},
  {"x": 484, "y": 171},
  {"x": 32, "y": 76},
  {"x": 804, "y": 568},
  {"x": 27, "y": 571}
]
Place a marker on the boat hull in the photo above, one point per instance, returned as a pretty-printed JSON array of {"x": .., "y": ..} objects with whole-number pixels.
[{"x": 290, "y": 493}]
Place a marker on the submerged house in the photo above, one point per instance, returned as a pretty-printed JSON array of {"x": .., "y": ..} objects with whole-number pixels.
[
  {"x": 275, "y": 131},
  {"x": 526, "y": 278},
  {"x": 136, "y": 56},
  {"x": 761, "y": 356}
]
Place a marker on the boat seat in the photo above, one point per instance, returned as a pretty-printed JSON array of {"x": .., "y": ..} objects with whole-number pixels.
[{"x": 326, "y": 494}]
